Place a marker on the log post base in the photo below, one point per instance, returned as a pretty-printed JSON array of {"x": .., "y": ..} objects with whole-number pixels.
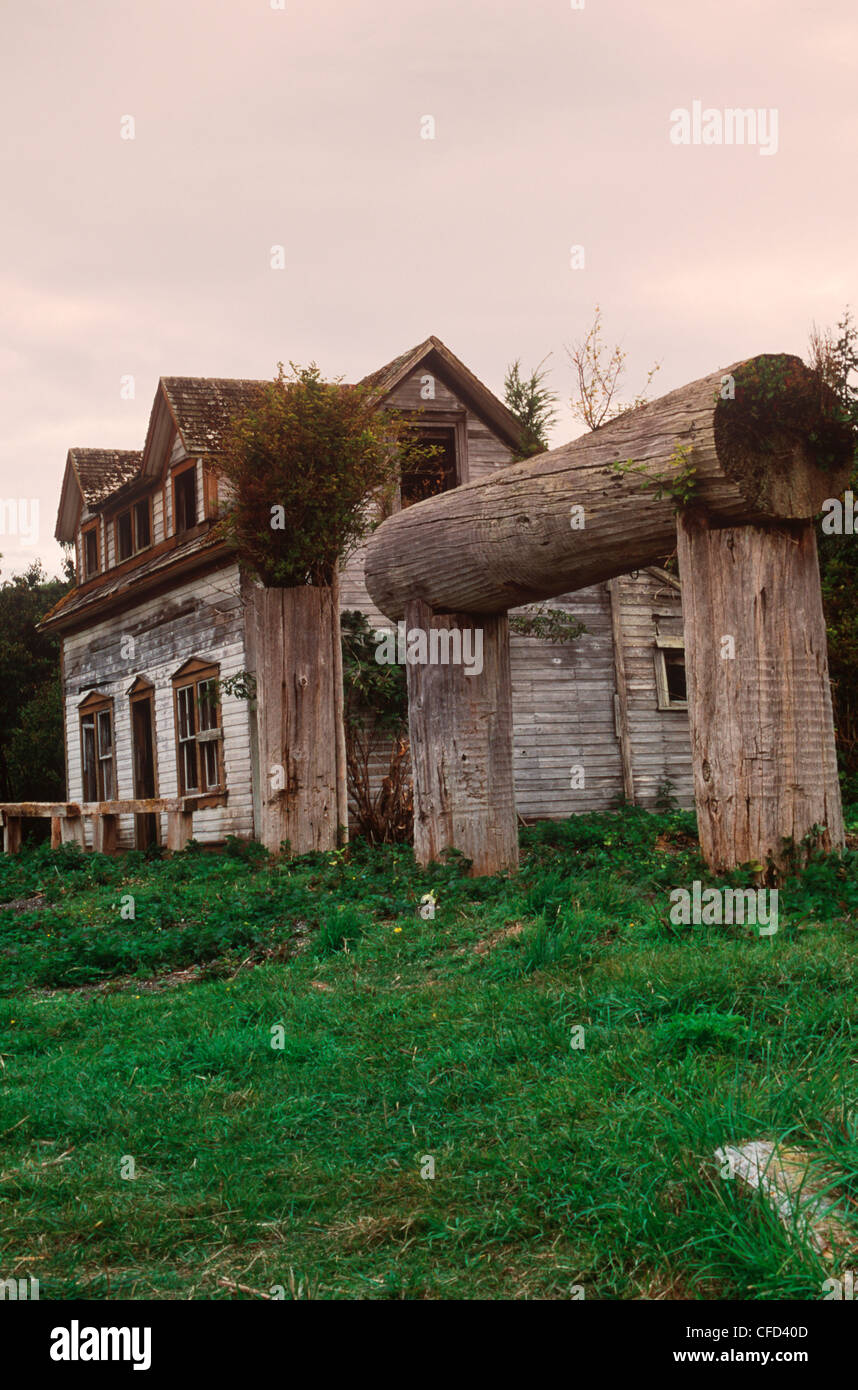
[
  {"x": 759, "y": 703},
  {"x": 460, "y": 729}
]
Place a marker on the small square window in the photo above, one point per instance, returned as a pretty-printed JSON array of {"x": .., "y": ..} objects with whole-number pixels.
[{"x": 671, "y": 690}]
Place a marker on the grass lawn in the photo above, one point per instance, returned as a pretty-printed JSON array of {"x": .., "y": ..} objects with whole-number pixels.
[{"x": 305, "y": 1165}]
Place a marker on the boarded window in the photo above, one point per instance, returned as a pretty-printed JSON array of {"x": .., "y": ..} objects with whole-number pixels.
[
  {"x": 198, "y": 728},
  {"x": 185, "y": 500}
]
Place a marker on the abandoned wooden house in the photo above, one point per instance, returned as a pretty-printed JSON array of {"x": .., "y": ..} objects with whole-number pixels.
[{"x": 156, "y": 628}]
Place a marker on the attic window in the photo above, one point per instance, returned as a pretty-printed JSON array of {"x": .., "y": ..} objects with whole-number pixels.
[
  {"x": 425, "y": 477},
  {"x": 133, "y": 530},
  {"x": 185, "y": 499},
  {"x": 90, "y": 551},
  {"x": 670, "y": 673}
]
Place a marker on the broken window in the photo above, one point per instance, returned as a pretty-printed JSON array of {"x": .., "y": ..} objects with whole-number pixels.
[
  {"x": 97, "y": 751},
  {"x": 185, "y": 499},
  {"x": 198, "y": 728},
  {"x": 670, "y": 685},
  {"x": 428, "y": 464}
]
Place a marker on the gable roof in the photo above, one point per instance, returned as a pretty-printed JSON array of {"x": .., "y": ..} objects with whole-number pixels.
[
  {"x": 93, "y": 474},
  {"x": 199, "y": 407},
  {"x": 456, "y": 375}
]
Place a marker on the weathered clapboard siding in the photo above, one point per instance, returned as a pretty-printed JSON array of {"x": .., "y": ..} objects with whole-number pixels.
[
  {"x": 563, "y": 714},
  {"x": 660, "y": 740},
  {"x": 203, "y": 618}
]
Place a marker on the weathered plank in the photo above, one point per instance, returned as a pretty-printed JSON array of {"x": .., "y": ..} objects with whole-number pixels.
[
  {"x": 180, "y": 829},
  {"x": 460, "y": 728},
  {"x": 759, "y": 703},
  {"x": 295, "y": 635}
]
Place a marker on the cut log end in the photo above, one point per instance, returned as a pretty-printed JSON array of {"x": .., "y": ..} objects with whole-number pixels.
[{"x": 782, "y": 436}]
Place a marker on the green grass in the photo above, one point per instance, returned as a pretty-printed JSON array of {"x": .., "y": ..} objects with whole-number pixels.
[{"x": 555, "y": 1165}]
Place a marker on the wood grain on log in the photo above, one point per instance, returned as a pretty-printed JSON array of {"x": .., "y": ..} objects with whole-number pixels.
[
  {"x": 759, "y": 703},
  {"x": 460, "y": 728},
  {"x": 769, "y": 451},
  {"x": 293, "y": 639}
]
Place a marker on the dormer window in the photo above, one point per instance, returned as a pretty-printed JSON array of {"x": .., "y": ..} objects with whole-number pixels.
[
  {"x": 185, "y": 499},
  {"x": 133, "y": 530},
  {"x": 433, "y": 472},
  {"x": 89, "y": 542}
]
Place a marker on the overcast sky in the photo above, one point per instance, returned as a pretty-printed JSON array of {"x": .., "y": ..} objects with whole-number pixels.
[{"x": 302, "y": 127}]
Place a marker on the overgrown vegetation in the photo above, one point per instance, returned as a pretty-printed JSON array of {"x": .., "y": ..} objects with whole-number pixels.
[
  {"x": 834, "y": 354},
  {"x": 32, "y": 764},
  {"x": 301, "y": 464},
  {"x": 298, "y": 1166},
  {"x": 532, "y": 402},
  {"x": 375, "y": 711}
]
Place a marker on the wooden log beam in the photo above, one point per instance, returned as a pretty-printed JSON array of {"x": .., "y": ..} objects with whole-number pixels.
[
  {"x": 762, "y": 437},
  {"x": 460, "y": 728},
  {"x": 759, "y": 703}
]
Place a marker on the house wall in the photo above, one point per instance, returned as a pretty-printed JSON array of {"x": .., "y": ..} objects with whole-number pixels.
[
  {"x": 660, "y": 739},
  {"x": 202, "y": 617}
]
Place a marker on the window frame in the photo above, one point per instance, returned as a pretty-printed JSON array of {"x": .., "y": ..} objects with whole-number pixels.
[
  {"x": 92, "y": 713},
  {"x": 177, "y": 474},
  {"x": 665, "y": 644},
  {"x": 88, "y": 529},
  {"x": 131, "y": 511},
  {"x": 191, "y": 676}
]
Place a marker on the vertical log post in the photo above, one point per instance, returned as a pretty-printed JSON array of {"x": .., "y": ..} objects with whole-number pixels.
[
  {"x": 299, "y": 704},
  {"x": 180, "y": 829},
  {"x": 759, "y": 703},
  {"x": 56, "y": 831},
  {"x": 11, "y": 833},
  {"x": 105, "y": 833},
  {"x": 460, "y": 729},
  {"x": 73, "y": 831}
]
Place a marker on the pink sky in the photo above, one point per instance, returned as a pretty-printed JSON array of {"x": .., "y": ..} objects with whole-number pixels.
[{"x": 300, "y": 127}]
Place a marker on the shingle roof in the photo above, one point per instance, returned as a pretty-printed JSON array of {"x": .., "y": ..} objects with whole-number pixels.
[
  {"x": 203, "y": 405},
  {"x": 101, "y": 471}
]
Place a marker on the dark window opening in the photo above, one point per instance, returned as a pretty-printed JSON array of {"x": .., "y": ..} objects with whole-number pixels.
[
  {"x": 674, "y": 670},
  {"x": 124, "y": 536},
  {"x": 90, "y": 552},
  {"x": 141, "y": 524},
  {"x": 185, "y": 500},
  {"x": 432, "y": 471},
  {"x": 96, "y": 733}
]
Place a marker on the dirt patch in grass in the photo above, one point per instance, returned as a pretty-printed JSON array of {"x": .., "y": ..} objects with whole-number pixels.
[{"x": 488, "y": 943}]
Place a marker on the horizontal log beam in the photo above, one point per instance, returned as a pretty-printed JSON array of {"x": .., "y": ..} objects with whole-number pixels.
[
  {"x": 763, "y": 438},
  {"x": 62, "y": 810}
]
